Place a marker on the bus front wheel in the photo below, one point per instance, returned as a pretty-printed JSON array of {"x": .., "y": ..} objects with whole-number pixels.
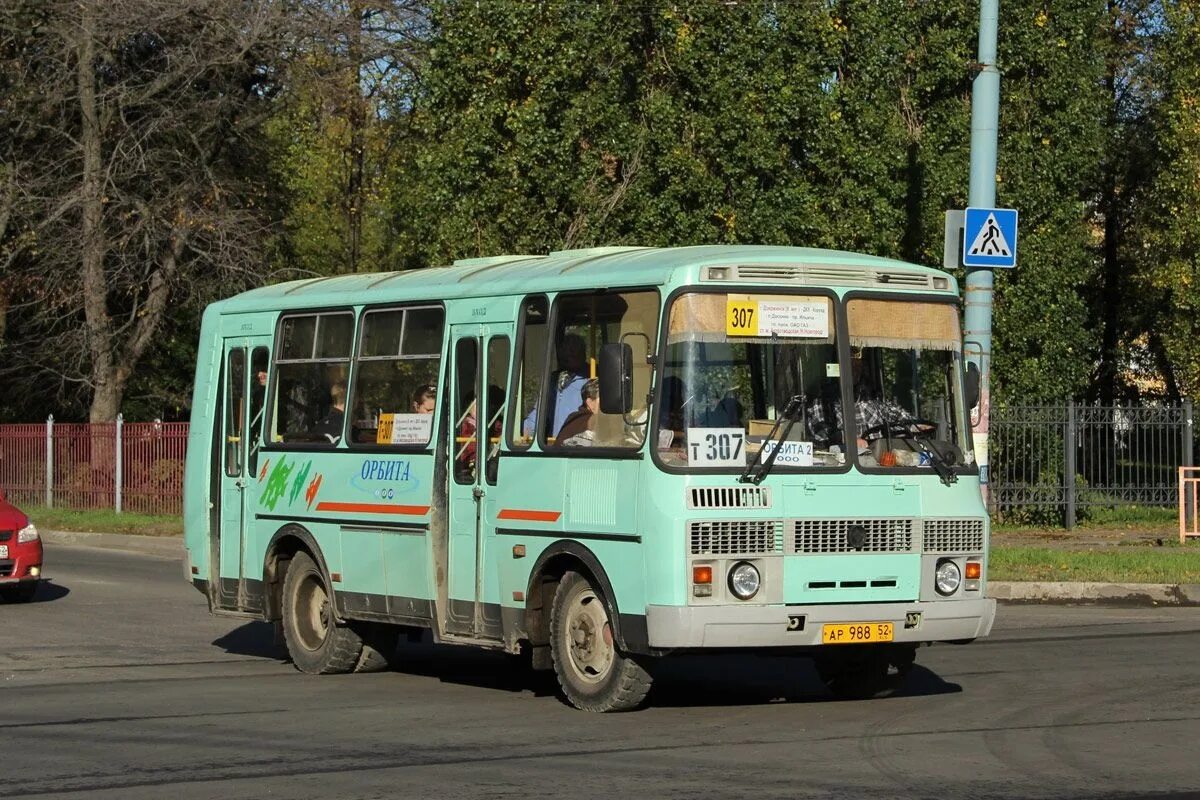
[
  {"x": 317, "y": 643},
  {"x": 593, "y": 674}
]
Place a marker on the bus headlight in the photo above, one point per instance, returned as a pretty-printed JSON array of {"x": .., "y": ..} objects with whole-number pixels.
[
  {"x": 744, "y": 580},
  {"x": 947, "y": 577}
]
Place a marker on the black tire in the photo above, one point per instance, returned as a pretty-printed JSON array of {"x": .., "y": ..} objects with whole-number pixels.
[
  {"x": 21, "y": 593},
  {"x": 865, "y": 672},
  {"x": 379, "y": 646},
  {"x": 593, "y": 674},
  {"x": 316, "y": 641}
]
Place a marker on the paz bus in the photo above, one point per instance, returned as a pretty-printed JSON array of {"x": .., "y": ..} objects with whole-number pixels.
[{"x": 602, "y": 457}]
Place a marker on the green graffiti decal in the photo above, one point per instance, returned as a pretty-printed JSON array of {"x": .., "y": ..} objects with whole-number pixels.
[
  {"x": 298, "y": 483},
  {"x": 276, "y": 483}
]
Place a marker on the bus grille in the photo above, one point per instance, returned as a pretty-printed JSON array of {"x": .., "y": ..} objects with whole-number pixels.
[
  {"x": 736, "y": 536},
  {"x": 729, "y": 497},
  {"x": 953, "y": 536},
  {"x": 833, "y": 536}
]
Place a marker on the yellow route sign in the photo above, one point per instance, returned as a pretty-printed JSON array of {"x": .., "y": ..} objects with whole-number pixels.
[{"x": 741, "y": 317}]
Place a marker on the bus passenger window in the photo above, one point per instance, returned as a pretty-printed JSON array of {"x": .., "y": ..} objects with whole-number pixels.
[
  {"x": 584, "y": 323},
  {"x": 527, "y": 388},
  {"x": 312, "y": 367},
  {"x": 396, "y": 377}
]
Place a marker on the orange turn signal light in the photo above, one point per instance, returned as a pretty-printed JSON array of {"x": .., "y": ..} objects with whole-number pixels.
[
  {"x": 702, "y": 574},
  {"x": 974, "y": 570}
]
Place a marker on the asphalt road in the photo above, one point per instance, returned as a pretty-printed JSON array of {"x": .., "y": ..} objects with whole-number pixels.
[{"x": 117, "y": 683}]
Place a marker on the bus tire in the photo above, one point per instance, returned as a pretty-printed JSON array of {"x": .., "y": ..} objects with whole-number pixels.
[
  {"x": 379, "y": 646},
  {"x": 593, "y": 674},
  {"x": 317, "y": 643}
]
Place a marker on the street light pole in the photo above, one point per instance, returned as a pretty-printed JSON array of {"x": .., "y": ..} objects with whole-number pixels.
[{"x": 977, "y": 292}]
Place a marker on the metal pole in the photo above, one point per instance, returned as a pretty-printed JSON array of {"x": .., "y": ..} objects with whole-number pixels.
[
  {"x": 118, "y": 477},
  {"x": 50, "y": 461},
  {"x": 1069, "y": 465},
  {"x": 985, "y": 115},
  {"x": 1187, "y": 433}
]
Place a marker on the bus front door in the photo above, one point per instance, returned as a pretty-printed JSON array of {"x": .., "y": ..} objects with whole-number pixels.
[
  {"x": 479, "y": 372},
  {"x": 244, "y": 392}
]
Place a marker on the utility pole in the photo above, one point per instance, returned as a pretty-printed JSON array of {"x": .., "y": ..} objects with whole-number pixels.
[{"x": 977, "y": 294}]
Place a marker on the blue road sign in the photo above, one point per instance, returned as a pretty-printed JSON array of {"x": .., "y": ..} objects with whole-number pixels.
[{"x": 990, "y": 237}]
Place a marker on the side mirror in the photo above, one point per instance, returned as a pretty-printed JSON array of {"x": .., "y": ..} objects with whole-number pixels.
[
  {"x": 972, "y": 387},
  {"x": 615, "y": 372}
]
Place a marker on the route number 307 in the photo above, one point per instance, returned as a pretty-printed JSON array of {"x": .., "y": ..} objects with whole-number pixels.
[{"x": 717, "y": 447}]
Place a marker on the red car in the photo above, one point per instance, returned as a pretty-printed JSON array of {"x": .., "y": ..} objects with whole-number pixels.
[{"x": 20, "y": 554}]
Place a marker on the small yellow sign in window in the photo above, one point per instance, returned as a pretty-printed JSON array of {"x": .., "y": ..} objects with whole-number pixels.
[{"x": 741, "y": 318}]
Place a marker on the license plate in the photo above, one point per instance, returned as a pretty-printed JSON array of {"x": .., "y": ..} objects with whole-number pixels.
[
  {"x": 856, "y": 633},
  {"x": 3, "y": 551}
]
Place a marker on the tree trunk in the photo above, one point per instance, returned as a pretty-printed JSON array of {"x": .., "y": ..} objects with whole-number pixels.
[{"x": 107, "y": 398}]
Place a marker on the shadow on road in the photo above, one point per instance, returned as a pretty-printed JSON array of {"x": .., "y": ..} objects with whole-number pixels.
[
  {"x": 253, "y": 639},
  {"x": 47, "y": 592},
  {"x": 682, "y": 681}
]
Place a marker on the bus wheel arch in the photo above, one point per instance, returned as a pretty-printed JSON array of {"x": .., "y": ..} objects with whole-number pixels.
[
  {"x": 555, "y": 561},
  {"x": 287, "y": 541}
]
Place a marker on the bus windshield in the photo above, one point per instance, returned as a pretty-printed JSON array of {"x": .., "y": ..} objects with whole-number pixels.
[
  {"x": 734, "y": 362},
  {"x": 732, "y": 365},
  {"x": 907, "y": 392}
]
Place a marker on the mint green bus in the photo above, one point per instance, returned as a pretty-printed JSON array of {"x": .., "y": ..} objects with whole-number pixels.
[{"x": 600, "y": 457}]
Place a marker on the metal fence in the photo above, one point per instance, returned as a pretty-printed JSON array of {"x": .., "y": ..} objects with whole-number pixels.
[
  {"x": 134, "y": 466},
  {"x": 1051, "y": 463}
]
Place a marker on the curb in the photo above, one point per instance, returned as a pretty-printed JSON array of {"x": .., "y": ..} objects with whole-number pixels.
[
  {"x": 1095, "y": 593},
  {"x": 161, "y": 546}
]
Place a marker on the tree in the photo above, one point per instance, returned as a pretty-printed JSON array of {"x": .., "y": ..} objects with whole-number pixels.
[{"x": 143, "y": 140}]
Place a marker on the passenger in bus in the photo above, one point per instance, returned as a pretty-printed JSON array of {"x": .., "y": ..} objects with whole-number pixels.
[
  {"x": 424, "y": 399},
  {"x": 331, "y": 425},
  {"x": 870, "y": 409},
  {"x": 579, "y": 429},
  {"x": 465, "y": 452},
  {"x": 567, "y": 382}
]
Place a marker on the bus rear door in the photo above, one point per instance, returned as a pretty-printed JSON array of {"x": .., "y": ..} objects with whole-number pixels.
[{"x": 245, "y": 371}]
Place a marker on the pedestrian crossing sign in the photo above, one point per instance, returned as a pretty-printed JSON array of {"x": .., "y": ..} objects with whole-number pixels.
[{"x": 990, "y": 237}]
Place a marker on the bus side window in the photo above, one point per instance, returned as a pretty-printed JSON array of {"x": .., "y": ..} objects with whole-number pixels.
[
  {"x": 526, "y": 388},
  {"x": 259, "y": 359},
  {"x": 311, "y": 368},
  {"x": 495, "y": 406},
  {"x": 235, "y": 377},
  {"x": 396, "y": 377}
]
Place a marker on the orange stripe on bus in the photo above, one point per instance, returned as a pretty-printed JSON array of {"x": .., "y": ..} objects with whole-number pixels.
[
  {"x": 529, "y": 516},
  {"x": 373, "y": 508}
]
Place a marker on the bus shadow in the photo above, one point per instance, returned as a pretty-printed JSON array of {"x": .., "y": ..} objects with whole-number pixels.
[
  {"x": 253, "y": 639},
  {"x": 736, "y": 680},
  {"x": 680, "y": 681}
]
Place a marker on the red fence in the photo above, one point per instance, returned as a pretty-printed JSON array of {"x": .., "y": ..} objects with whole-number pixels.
[{"x": 127, "y": 466}]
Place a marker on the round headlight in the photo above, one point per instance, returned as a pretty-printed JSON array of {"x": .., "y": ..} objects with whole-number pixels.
[
  {"x": 947, "y": 577},
  {"x": 744, "y": 580}
]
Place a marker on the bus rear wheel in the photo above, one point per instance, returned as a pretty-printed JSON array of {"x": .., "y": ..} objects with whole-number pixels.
[
  {"x": 593, "y": 674},
  {"x": 317, "y": 643}
]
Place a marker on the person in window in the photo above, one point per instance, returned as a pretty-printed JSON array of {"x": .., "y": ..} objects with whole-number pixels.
[
  {"x": 870, "y": 409},
  {"x": 331, "y": 425},
  {"x": 424, "y": 399},
  {"x": 469, "y": 423},
  {"x": 566, "y": 382},
  {"x": 579, "y": 429}
]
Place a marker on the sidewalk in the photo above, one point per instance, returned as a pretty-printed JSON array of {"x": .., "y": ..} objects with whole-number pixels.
[{"x": 1110, "y": 594}]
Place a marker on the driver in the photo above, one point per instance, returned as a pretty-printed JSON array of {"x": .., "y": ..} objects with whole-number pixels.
[{"x": 870, "y": 409}]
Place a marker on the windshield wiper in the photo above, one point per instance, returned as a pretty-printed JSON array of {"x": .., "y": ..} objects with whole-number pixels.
[
  {"x": 790, "y": 412},
  {"x": 926, "y": 446}
]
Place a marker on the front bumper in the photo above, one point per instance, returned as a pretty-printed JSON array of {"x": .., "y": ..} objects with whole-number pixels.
[{"x": 733, "y": 626}]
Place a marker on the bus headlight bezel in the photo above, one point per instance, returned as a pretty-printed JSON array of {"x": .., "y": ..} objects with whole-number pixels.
[
  {"x": 744, "y": 580},
  {"x": 947, "y": 577}
]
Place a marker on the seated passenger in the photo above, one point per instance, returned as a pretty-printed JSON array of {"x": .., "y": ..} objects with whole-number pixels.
[
  {"x": 572, "y": 358},
  {"x": 331, "y": 425},
  {"x": 424, "y": 399},
  {"x": 579, "y": 429}
]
